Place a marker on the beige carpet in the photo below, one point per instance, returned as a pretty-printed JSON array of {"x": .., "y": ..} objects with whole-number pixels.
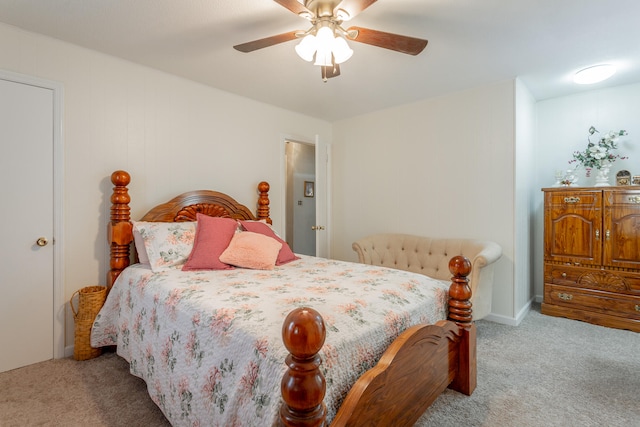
[
  {"x": 64, "y": 392},
  {"x": 546, "y": 372}
]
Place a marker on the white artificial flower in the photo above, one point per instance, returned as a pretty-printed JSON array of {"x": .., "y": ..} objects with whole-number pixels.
[
  {"x": 598, "y": 152},
  {"x": 612, "y": 135}
]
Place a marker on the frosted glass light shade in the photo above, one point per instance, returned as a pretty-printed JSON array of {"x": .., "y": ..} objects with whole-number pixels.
[
  {"x": 307, "y": 47},
  {"x": 324, "y": 39},
  {"x": 323, "y": 56},
  {"x": 594, "y": 74},
  {"x": 341, "y": 50}
]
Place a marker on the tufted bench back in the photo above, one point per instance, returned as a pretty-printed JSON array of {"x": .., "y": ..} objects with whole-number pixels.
[{"x": 430, "y": 256}]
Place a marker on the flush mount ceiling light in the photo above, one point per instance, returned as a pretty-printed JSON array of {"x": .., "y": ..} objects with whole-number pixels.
[
  {"x": 594, "y": 74},
  {"x": 326, "y": 40}
]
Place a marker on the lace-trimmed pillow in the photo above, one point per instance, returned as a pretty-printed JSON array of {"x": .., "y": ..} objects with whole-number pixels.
[{"x": 168, "y": 244}]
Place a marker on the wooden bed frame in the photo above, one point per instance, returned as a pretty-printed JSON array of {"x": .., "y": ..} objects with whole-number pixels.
[{"x": 420, "y": 364}]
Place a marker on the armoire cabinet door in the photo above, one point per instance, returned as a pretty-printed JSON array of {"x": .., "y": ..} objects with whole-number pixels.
[
  {"x": 573, "y": 224},
  {"x": 622, "y": 229}
]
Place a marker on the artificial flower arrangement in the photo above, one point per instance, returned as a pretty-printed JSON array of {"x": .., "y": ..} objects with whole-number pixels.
[{"x": 599, "y": 153}]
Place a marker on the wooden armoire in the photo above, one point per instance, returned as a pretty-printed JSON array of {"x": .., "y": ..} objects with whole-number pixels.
[{"x": 592, "y": 255}]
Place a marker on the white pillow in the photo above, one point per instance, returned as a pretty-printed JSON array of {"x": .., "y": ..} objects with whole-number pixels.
[
  {"x": 167, "y": 244},
  {"x": 143, "y": 258}
]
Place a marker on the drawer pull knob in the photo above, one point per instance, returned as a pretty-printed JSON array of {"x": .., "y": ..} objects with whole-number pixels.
[
  {"x": 634, "y": 199},
  {"x": 572, "y": 199},
  {"x": 597, "y": 234},
  {"x": 638, "y": 307},
  {"x": 565, "y": 297},
  {"x": 564, "y": 275}
]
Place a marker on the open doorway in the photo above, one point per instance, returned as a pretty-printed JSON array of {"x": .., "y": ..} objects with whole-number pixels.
[{"x": 301, "y": 197}]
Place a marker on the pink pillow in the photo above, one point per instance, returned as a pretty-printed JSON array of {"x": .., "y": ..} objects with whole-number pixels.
[
  {"x": 286, "y": 254},
  {"x": 252, "y": 250},
  {"x": 213, "y": 235}
]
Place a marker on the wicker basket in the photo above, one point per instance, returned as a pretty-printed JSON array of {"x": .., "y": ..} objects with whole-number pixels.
[{"x": 90, "y": 301}]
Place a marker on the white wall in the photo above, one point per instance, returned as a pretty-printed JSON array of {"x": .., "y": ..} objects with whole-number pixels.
[
  {"x": 441, "y": 167},
  {"x": 172, "y": 135},
  {"x": 563, "y": 125},
  {"x": 525, "y": 112}
]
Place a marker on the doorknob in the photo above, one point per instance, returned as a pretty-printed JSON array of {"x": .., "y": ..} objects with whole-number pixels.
[
  {"x": 317, "y": 227},
  {"x": 42, "y": 241}
]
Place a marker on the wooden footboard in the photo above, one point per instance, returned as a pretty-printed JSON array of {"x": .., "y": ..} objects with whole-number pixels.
[{"x": 413, "y": 371}]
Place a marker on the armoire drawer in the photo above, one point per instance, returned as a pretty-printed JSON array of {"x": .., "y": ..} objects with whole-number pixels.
[
  {"x": 596, "y": 301},
  {"x": 593, "y": 278},
  {"x": 631, "y": 198},
  {"x": 574, "y": 198}
]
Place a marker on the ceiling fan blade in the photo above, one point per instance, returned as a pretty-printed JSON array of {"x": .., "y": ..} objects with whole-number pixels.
[
  {"x": 404, "y": 44},
  {"x": 266, "y": 42},
  {"x": 354, "y": 7},
  {"x": 330, "y": 71},
  {"x": 294, "y": 6}
]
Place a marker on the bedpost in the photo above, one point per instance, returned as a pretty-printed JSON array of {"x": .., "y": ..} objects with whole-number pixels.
[
  {"x": 303, "y": 385},
  {"x": 460, "y": 312},
  {"x": 263, "y": 201},
  {"x": 119, "y": 231},
  {"x": 460, "y": 292}
]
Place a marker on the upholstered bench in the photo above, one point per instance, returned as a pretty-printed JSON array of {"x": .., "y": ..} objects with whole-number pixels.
[{"x": 430, "y": 256}]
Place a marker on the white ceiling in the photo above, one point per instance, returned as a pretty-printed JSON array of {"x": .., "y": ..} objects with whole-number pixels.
[{"x": 471, "y": 43}]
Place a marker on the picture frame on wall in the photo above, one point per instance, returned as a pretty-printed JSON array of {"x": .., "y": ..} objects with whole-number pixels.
[{"x": 309, "y": 189}]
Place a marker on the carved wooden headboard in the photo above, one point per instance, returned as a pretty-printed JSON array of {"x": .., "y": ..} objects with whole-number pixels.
[{"x": 184, "y": 207}]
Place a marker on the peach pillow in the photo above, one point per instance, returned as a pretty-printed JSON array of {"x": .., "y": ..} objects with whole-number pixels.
[
  {"x": 286, "y": 254},
  {"x": 213, "y": 235},
  {"x": 252, "y": 250}
]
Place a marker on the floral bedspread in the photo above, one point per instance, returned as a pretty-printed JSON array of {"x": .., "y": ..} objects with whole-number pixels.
[{"x": 209, "y": 346}]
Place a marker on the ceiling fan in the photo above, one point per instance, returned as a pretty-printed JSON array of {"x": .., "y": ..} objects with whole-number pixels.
[{"x": 326, "y": 39}]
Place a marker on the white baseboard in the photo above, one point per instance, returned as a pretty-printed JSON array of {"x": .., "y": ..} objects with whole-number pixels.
[
  {"x": 511, "y": 321},
  {"x": 523, "y": 312},
  {"x": 498, "y": 318},
  {"x": 68, "y": 351}
]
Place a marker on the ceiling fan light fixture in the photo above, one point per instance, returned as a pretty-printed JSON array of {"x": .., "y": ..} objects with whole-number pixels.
[
  {"x": 307, "y": 47},
  {"x": 326, "y": 41},
  {"x": 594, "y": 74}
]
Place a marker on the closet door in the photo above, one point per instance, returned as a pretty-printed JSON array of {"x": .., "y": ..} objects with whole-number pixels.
[{"x": 26, "y": 225}]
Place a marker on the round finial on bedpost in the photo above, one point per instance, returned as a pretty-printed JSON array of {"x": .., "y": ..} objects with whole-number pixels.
[
  {"x": 120, "y": 178},
  {"x": 263, "y": 201},
  {"x": 460, "y": 292},
  {"x": 303, "y": 385}
]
